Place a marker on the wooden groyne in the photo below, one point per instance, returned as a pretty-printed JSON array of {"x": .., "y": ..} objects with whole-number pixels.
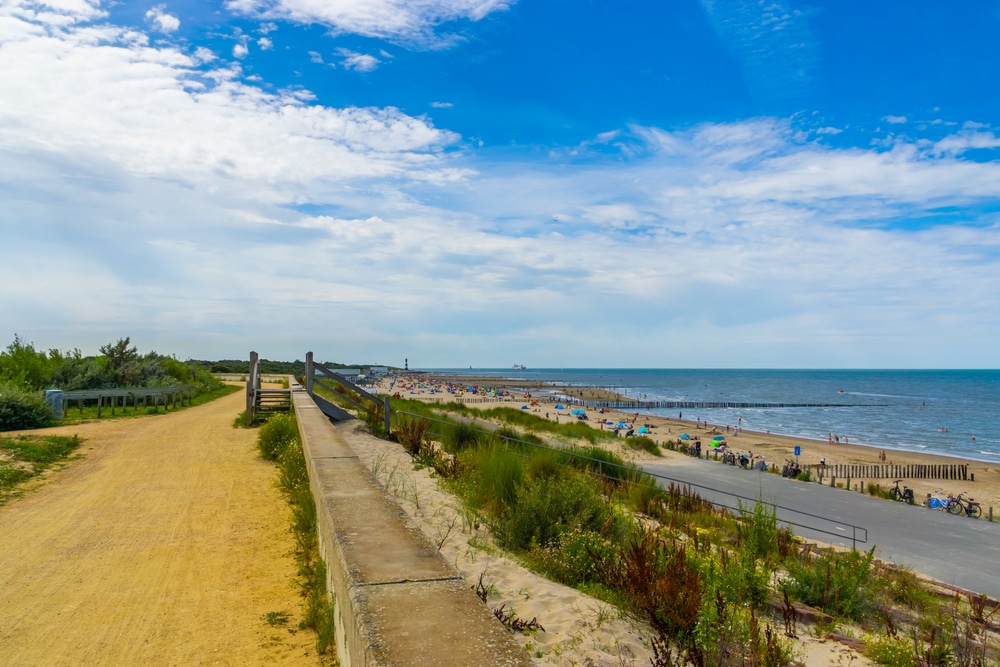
[
  {"x": 954, "y": 471},
  {"x": 686, "y": 405}
]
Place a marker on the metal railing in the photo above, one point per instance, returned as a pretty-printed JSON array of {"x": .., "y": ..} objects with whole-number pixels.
[
  {"x": 314, "y": 369},
  {"x": 858, "y": 533},
  {"x": 110, "y": 397}
]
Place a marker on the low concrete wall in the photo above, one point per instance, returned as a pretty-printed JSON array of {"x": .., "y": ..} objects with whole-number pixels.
[{"x": 397, "y": 601}]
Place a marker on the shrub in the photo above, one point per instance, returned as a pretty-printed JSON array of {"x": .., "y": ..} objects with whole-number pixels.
[
  {"x": 375, "y": 418},
  {"x": 412, "y": 433},
  {"x": 841, "y": 584},
  {"x": 547, "y": 507},
  {"x": 279, "y": 433},
  {"x": 890, "y": 651},
  {"x": 573, "y": 560},
  {"x": 22, "y": 410}
]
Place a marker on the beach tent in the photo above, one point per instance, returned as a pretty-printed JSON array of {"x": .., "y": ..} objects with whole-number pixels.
[
  {"x": 621, "y": 425},
  {"x": 524, "y": 407},
  {"x": 643, "y": 429},
  {"x": 560, "y": 406},
  {"x": 685, "y": 436},
  {"x": 578, "y": 412},
  {"x": 718, "y": 441},
  {"x": 609, "y": 423}
]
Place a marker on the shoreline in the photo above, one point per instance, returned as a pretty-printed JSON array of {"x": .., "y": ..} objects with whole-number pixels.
[
  {"x": 594, "y": 393},
  {"x": 776, "y": 448}
]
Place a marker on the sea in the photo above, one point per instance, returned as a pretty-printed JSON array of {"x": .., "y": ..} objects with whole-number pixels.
[{"x": 949, "y": 412}]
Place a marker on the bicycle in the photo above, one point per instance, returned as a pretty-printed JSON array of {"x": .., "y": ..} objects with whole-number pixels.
[
  {"x": 958, "y": 504},
  {"x": 904, "y": 496},
  {"x": 790, "y": 469},
  {"x": 729, "y": 458}
]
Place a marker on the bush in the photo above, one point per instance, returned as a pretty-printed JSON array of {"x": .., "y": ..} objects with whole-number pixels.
[
  {"x": 412, "y": 434},
  {"x": 890, "y": 651},
  {"x": 841, "y": 584},
  {"x": 547, "y": 507},
  {"x": 279, "y": 433},
  {"x": 22, "y": 410}
]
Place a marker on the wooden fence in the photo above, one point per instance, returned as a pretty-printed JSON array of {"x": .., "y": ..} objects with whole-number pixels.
[{"x": 956, "y": 471}]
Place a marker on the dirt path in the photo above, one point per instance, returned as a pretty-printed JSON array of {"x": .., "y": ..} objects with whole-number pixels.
[{"x": 164, "y": 545}]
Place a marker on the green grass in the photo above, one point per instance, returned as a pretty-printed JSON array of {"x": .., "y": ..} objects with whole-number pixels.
[
  {"x": 26, "y": 456},
  {"x": 700, "y": 576},
  {"x": 278, "y": 441}
]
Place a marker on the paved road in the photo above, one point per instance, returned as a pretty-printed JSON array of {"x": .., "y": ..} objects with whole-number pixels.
[{"x": 953, "y": 549}]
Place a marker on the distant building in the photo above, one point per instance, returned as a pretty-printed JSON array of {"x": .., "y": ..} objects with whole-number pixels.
[{"x": 375, "y": 371}]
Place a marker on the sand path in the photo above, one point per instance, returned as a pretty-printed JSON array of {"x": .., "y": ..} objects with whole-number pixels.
[{"x": 165, "y": 544}]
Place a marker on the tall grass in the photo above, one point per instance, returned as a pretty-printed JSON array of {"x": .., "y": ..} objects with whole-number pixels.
[{"x": 278, "y": 440}]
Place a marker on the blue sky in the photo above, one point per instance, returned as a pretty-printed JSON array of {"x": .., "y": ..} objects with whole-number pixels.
[{"x": 713, "y": 183}]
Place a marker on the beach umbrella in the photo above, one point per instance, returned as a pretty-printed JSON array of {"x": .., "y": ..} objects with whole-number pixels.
[
  {"x": 621, "y": 425},
  {"x": 578, "y": 412},
  {"x": 720, "y": 437},
  {"x": 643, "y": 429},
  {"x": 685, "y": 436},
  {"x": 718, "y": 441},
  {"x": 560, "y": 406}
]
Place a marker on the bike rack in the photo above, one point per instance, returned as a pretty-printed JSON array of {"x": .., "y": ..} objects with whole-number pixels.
[{"x": 858, "y": 533}]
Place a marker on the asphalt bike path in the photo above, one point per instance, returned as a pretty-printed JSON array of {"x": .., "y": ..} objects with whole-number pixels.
[{"x": 955, "y": 550}]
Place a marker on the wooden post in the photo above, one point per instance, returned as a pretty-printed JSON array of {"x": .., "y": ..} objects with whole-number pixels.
[
  {"x": 310, "y": 373},
  {"x": 388, "y": 415},
  {"x": 100, "y": 401}
]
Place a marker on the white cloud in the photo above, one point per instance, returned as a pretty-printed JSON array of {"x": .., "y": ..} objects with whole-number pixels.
[
  {"x": 442, "y": 105},
  {"x": 265, "y": 44},
  {"x": 895, "y": 120},
  {"x": 316, "y": 57},
  {"x": 361, "y": 62},
  {"x": 402, "y": 19},
  {"x": 153, "y": 193},
  {"x": 161, "y": 20},
  {"x": 203, "y": 55},
  {"x": 240, "y": 50}
]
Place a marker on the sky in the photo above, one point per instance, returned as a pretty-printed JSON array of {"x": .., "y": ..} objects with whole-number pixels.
[{"x": 455, "y": 183}]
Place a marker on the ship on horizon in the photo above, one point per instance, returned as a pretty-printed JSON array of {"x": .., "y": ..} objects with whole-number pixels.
[{"x": 520, "y": 367}]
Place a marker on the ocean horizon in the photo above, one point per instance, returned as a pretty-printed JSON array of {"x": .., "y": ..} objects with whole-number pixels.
[{"x": 948, "y": 412}]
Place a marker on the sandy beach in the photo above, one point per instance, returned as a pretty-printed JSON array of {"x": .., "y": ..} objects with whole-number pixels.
[{"x": 983, "y": 485}]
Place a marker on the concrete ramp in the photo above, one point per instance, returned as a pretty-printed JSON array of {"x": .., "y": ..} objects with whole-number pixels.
[{"x": 398, "y": 602}]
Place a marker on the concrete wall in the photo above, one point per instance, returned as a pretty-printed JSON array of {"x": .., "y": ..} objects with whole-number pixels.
[{"x": 397, "y": 601}]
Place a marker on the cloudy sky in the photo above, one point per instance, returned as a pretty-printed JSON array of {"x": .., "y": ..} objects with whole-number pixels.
[{"x": 603, "y": 183}]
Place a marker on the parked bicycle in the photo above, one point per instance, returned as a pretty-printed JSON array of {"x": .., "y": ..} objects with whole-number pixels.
[
  {"x": 958, "y": 504},
  {"x": 744, "y": 460},
  {"x": 790, "y": 469},
  {"x": 904, "y": 496},
  {"x": 729, "y": 458}
]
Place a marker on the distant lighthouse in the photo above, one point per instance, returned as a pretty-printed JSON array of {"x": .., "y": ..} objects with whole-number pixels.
[{"x": 406, "y": 364}]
